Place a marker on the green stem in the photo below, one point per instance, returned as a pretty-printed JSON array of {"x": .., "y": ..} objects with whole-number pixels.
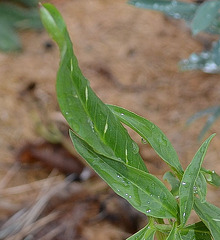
[{"x": 159, "y": 235}]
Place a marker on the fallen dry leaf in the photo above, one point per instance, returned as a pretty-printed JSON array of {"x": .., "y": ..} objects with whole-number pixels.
[{"x": 51, "y": 156}]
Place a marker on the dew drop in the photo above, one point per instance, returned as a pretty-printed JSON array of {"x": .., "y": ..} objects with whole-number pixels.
[
  {"x": 164, "y": 140},
  {"x": 184, "y": 183},
  {"x": 91, "y": 125},
  {"x": 174, "y": 3},
  {"x": 210, "y": 67},
  {"x": 155, "y": 6},
  {"x": 122, "y": 114},
  {"x": 75, "y": 127},
  {"x": 209, "y": 178},
  {"x": 194, "y": 58},
  {"x": 148, "y": 211},
  {"x": 195, "y": 190},
  {"x": 176, "y": 16}
]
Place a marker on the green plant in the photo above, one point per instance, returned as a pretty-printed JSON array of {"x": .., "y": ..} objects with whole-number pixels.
[
  {"x": 199, "y": 17},
  {"x": 212, "y": 113},
  {"x": 100, "y": 138},
  {"x": 17, "y": 14}
]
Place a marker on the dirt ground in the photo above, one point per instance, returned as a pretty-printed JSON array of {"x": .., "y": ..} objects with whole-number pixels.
[{"x": 130, "y": 57}]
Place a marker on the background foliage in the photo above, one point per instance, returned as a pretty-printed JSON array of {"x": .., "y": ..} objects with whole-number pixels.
[
  {"x": 203, "y": 16},
  {"x": 14, "y": 15}
]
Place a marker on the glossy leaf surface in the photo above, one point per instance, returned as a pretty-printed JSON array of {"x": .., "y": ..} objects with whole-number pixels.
[
  {"x": 152, "y": 134},
  {"x": 204, "y": 16},
  {"x": 187, "y": 185},
  {"x": 86, "y": 114},
  {"x": 142, "y": 190},
  {"x": 210, "y": 215}
]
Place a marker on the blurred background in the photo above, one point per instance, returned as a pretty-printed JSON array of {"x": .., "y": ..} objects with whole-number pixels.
[{"x": 130, "y": 57}]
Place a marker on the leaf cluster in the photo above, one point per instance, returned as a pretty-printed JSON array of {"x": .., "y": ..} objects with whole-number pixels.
[{"x": 100, "y": 138}]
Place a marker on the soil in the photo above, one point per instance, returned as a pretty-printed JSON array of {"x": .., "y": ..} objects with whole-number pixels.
[{"x": 130, "y": 57}]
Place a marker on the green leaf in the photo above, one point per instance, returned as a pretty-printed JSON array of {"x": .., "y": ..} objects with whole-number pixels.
[
  {"x": 173, "y": 233},
  {"x": 214, "y": 28},
  {"x": 211, "y": 177},
  {"x": 201, "y": 187},
  {"x": 173, "y": 181},
  {"x": 175, "y": 9},
  {"x": 215, "y": 179},
  {"x": 216, "y": 52},
  {"x": 187, "y": 186},
  {"x": 210, "y": 215},
  {"x": 86, "y": 114},
  {"x": 28, "y": 3},
  {"x": 12, "y": 17},
  {"x": 146, "y": 233},
  {"x": 9, "y": 40},
  {"x": 152, "y": 134},
  {"x": 197, "y": 231},
  {"x": 213, "y": 114},
  {"x": 142, "y": 190},
  {"x": 204, "y": 16},
  {"x": 18, "y": 17}
]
